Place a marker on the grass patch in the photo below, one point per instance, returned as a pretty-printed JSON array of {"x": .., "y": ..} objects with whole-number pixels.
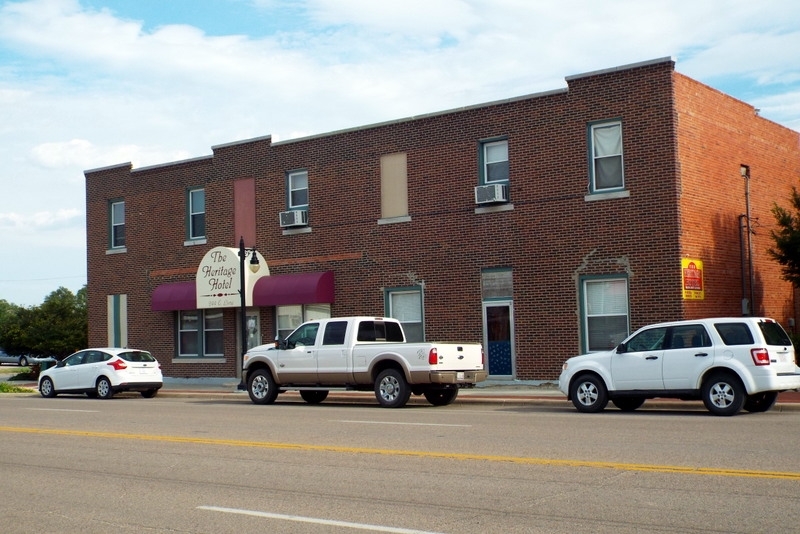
[{"x": 5, "y": 387}]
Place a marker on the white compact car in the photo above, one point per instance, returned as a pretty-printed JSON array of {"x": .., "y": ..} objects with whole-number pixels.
[
  {"x": 102, "y": 373},
  {"x": 729, "y": 363}
]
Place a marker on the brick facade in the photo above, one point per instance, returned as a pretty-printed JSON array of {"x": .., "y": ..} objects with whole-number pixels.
[{"x": 683, "y": 145}]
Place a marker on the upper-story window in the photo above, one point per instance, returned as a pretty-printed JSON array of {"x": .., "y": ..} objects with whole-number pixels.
[
  {"x": 196, "y": 213},
  {"x": 405, "y": 305},
  {"x": 494, "y": 161},
  {"x": 297, "y": 187},
  {"x": 117, "y": 226},
  {"x": 605, "y": 139}
]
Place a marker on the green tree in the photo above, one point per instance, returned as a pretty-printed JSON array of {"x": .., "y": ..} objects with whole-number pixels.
[
  {"x": 58, "y": 327},
  {"x": 787, "y": 239}
]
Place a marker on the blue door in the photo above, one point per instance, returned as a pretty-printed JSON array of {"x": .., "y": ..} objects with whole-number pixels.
[{"x": 498, "y": 335}]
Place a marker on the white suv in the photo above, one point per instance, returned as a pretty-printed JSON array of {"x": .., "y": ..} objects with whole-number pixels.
[{"x": 729, "y": 363}]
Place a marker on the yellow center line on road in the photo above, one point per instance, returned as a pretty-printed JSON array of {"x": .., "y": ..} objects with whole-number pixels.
[{"x": 652, "y": 468}]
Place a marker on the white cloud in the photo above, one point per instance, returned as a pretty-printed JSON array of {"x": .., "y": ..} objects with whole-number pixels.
[{"x": 86, "y": 88}]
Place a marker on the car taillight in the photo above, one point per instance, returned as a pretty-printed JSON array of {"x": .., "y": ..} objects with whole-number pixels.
[
  {"x": 760, "y": 356},
  {"x": 433, "y": 356},
  {"x": 118, "y": 365}
]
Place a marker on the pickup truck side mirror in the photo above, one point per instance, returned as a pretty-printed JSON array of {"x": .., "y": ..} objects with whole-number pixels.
[
  {"x": 621, "y": 348},
  {"x": 280, "y": 344}
]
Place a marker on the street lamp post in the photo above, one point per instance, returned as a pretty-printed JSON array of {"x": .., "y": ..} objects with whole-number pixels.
[{"x": 254, "y": 266}]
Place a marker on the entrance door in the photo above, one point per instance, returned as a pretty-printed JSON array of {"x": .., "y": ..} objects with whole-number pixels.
[
  {"x": 253, "y": 331},
  {"x": 498, "y": 338}
]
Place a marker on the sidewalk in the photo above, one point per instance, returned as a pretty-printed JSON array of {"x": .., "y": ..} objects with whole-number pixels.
[
  {"x": 512, "y": 393},
  {"x": 502, "y": 392}
]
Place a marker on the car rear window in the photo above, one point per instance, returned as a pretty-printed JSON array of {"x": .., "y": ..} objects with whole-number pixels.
[
  {"x": 773, "y": 333},
  {"x": 137, "y": 356},
  {"x": 734, "y": 333}
]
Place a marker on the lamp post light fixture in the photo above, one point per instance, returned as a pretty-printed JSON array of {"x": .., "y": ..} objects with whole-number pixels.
[{"x": 254, "y": 267}]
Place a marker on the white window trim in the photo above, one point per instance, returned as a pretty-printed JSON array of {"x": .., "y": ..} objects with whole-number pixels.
[{"x": 593, "y": 189}]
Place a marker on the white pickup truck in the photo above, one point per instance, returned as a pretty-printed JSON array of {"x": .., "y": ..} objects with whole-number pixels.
[{"x": 361, "y": 353}]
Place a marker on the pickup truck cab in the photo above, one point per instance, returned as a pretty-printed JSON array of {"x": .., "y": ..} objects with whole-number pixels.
[
  {"x": 728, "y": 363},
  {"x": 361, "y": 353}
]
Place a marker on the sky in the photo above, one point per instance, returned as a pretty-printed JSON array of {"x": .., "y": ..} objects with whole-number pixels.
[{"x": 91, "y": 83}]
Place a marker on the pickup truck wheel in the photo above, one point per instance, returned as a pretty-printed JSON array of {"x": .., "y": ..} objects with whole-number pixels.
[
  {"x": 628, "y": 404},
  {"x": 313, "y": 396},
  {"x": 441, "y": 397},
  {"x": 261, "y": 387},
  {"x": 723, "y": 394},
  {"x": 760, "y": 402},
  {"x": 391, "y": 389},
  {"x": 589, "y": 394}
]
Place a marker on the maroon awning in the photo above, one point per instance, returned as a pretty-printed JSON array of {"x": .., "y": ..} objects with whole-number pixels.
[
  {"x": 175, "y": 296},
  {"x": 300, "y": 288}
]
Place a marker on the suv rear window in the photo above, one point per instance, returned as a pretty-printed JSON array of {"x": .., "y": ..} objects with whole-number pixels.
[
  {"x": 734, "y": 333},
  {"x": 774, "y": 334}
]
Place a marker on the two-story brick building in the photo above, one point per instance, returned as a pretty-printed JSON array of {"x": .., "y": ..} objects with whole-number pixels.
[{"x": 542, "y": 226}]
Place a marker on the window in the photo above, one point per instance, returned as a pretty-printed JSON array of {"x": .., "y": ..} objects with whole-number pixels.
[
  {"x": 117, "y": 218},
  {"x": 734, "y": 333},
  {"x": 690, "y": 336},
  {"x": 405, "y": 305},
  {"x": 606, "y": 156},
  {"x": 379, "y": 331},
  {"x": 652, "y": 339},
  {"x": 290, "y": 317},
  {"x": 200, "y": 333},
  {"x": 494, "y": 162},
  {"x": 297, "y": 186},
  {"x": 197, "y": 213},
  {"x": 335, "y": 332},
  {"x": 605, "y": 312}
]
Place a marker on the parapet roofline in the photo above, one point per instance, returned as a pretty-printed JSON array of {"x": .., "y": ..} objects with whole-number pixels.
[{"x": 629, "y": 66}]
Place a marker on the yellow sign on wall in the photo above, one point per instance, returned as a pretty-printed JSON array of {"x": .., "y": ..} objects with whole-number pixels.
[{"x": 692, "y": 279}]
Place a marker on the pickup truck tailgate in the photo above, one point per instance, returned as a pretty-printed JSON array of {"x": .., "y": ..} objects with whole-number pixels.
[{"x": 458, "y": 357}]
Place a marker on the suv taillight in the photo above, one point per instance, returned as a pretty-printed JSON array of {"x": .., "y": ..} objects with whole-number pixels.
[
  {"x": 433, "y": 356},
  {"x": 118, "y": 365},
  {"x": 760, "y": 356}
]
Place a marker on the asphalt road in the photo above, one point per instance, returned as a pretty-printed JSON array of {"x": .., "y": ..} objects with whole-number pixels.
[{"x": 129, "y": 464}]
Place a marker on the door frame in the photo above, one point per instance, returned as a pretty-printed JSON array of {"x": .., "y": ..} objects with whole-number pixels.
[{"x": 510, "y": 305}]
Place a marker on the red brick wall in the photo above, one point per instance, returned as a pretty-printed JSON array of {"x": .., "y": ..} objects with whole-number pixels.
[
  {"x": 717, "y": 133},
  {"x": 551, "y": 238}
]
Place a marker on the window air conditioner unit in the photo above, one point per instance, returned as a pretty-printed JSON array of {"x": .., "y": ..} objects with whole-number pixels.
[
  {"x": 294, "y": 218},
  {"x": 487, "y": 194}
]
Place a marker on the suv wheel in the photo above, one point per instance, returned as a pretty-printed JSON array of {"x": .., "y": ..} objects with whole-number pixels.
[
  {"x": 723, "y": 394},
  {"x": 589, "y": 393}
]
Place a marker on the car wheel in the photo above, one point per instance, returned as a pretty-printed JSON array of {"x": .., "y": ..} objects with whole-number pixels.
[
  {"x": 313, "y": 396},
  {"x": 723, "y": 394},
  {"x": 628, "y": 404},
  {"x": 760, "y": 402},
  {"x": 261, "y": 387},
  {"x": 103, "y": 388},
  {"x": 149, "y": 393},
  {"x": 23, "y": 361},
  {"x": 391, "y": 389},
  {"x": 441, "y": 396},
  {"x": 46, "y": 388},
  {"x": 589, "y": 393}
]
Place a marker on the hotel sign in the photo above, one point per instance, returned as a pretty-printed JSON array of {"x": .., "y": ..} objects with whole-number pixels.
[{"x": 218, "y": 280}]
